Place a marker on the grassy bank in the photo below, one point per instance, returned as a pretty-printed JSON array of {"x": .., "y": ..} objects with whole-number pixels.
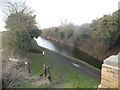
[
  {"x": 67, "y": 76},
  {"x": 78, "y": 60}
]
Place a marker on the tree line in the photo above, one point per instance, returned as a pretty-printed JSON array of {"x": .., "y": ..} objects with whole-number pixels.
[{"x": 101, "y": 38}]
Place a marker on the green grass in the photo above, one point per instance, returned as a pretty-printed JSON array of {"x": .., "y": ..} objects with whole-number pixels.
[
  {"x": 71, "y": 78},
  {"x": 27, "y": 85}
]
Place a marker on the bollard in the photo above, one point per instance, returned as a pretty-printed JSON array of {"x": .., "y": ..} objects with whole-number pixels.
[
  {"x": 45, "y": 70},
  {"x": 28, "y": 63},
  {"x": 48, "y": 71}
]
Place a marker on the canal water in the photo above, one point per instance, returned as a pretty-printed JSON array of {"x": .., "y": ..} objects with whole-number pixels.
[{"x": 69, "y": 51}]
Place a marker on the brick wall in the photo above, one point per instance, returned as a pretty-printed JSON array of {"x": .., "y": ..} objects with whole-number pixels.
[{"x": 110, "y": 74}]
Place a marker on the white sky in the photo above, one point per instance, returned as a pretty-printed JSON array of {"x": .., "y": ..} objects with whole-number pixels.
[{"x": 50, "y": 12}]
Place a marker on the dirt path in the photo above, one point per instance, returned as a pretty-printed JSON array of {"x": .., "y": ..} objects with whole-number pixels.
[
  {"x": 56, "y": 83},
  {"x": 77, "y": 65}
]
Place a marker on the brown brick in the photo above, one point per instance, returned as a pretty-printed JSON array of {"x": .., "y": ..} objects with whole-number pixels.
[
  {"x": 110, "y": 77},
  {"x": 118, "y": 84},
  {"x": 114, "y": 79},
  {"x": 104, "y": 85},
  {"x": 115, "y": 75},
  {"x": 106, "y": 80},
  {"x": 113, "y": 86},
  {"x": 115, "y": 71},
  {"x": 106, "y": 66},
  {"x": 105, "y": 76},
  {"x": 114, "y": 82}
]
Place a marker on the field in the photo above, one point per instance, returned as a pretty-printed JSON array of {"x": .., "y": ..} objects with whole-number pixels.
[{"x": 63, "y": 75}]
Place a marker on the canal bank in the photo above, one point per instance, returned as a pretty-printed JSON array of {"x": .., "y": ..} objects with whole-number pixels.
[{"x": 69, "y": 51}]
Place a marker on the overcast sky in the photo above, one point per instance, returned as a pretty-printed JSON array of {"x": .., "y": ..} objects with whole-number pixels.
[{"x": 50, "y": 12}]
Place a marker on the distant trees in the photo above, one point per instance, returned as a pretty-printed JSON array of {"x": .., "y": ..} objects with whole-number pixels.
[
  {"x": 81, "y": 34},
  {"x": 99, "y": 38},
  {"x": 64, "y": 32},
  {"x": 21, "y": 27}
]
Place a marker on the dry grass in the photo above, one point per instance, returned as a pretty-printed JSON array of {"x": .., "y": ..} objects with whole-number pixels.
[{"x": 12, "y": 73}]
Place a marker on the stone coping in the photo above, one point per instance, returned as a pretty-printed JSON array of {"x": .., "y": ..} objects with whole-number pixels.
[{"x": 113, "y": 60}]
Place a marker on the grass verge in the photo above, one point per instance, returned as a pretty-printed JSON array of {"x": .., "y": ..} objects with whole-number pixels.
[{"x": 61, "y": 72}]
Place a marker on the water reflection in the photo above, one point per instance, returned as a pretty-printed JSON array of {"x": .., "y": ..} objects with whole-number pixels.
[{"x": 48, "y": 44}]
